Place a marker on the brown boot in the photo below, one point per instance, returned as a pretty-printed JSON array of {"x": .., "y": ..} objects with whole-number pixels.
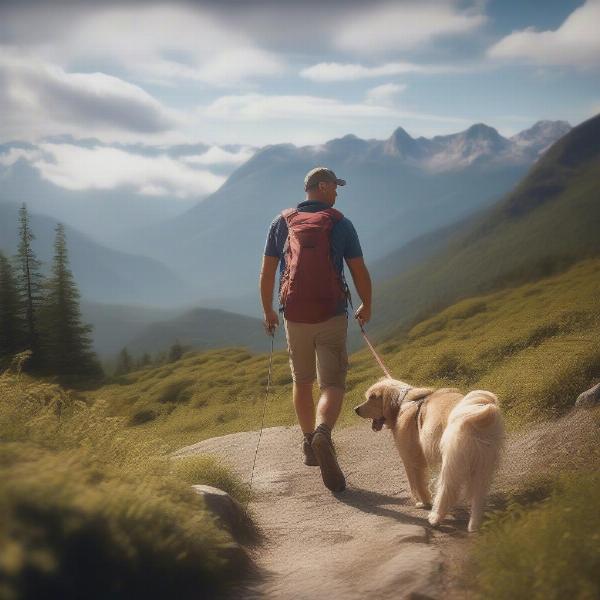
[
  {"x": 333, "y": 478},
  {"x": 309, "y": 455}
]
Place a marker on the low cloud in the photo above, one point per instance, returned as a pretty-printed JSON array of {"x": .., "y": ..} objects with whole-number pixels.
[
  {"x": 9, "y": 158},
  {"x": 76, "y": 168},
  {"x": 44, "y": 99},
  {"x": 219, "y": 156},
  {"x": 575, "y": 43},
  {"x": 260, "y": 106}
]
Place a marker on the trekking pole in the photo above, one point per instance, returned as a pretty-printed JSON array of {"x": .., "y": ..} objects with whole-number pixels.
[{"x": 262, "y": 422}]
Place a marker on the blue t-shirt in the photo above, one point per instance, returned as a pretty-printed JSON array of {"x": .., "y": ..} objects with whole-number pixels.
[{"x": 344, "y": 240}]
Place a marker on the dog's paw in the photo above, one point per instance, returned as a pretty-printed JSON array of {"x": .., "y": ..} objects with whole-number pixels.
[
  {"x": 425, "y": 505},
  {"x": 434, "y": 519}
]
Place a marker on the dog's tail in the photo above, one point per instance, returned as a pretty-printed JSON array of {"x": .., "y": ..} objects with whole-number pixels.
[{"x": 470, "y": 447}]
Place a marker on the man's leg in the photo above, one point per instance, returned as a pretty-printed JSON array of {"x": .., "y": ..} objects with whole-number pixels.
[
  {"x": 304, "y": 406},
  {"x": 303, "y": 366},
  {"x": 330, "y": 405},
  {"x": 332, "y": 364}
]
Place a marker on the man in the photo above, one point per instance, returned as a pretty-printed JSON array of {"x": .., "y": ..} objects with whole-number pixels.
[{"x": 321, "y": 345}]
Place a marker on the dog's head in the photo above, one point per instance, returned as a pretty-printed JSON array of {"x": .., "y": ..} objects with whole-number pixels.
[{"x": 383, "y": 400}]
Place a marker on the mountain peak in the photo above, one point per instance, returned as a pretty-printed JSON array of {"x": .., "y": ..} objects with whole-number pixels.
[
  {"x": 545, "y": 129},
  {"x": 400, "y": 143},
  {"x": 481, "y": 131}
]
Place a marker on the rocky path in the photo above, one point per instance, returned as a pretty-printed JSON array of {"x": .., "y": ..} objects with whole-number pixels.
[{"x": 366, "y": 542}]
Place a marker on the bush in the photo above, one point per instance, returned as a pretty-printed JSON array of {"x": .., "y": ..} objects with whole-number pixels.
[
  {"x": 207, "y": 470},
  {"x": 550, "y": 551},
  {"x": 92, "y": 510}
]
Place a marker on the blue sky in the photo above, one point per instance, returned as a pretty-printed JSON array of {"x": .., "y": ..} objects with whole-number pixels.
[
  {"x": 266, "y": 72},
  {"x": 271, "y": 71}
]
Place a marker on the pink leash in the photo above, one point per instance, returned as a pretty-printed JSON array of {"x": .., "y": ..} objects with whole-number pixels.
[{"x": 377, "y": 357}]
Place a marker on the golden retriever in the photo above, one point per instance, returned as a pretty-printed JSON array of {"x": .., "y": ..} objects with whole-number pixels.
[{"x": 463, "y": 433}]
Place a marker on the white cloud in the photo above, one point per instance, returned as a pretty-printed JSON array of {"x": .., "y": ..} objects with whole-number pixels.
[
  {"x": 333, "y": 71},
  {"x": 9, "y": 158},
  {"x": 37, "y": 98},
  {"x": 260, "y": 106},
  {"x": 385, "y": 94},
  {"x": 393, "y": 26},
  {"x": 576, "y": 42},
  {"x": 76, "y": 168},
  {"x": 159, "y": 43},
  {"x": 218, "y": 156}
]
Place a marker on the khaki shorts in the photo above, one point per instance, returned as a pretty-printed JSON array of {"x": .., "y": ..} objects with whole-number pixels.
[{"x": 319, "y": 347}]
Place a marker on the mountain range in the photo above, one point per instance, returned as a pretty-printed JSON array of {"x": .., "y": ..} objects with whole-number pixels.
[
  {"x": 398, "y": 189},
  {"x": 439, "y": 219},
  {"x": 546, "y": 223}
]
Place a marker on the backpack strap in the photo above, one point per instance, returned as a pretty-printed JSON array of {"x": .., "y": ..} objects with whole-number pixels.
[
  {"x": 335, "y": 214},
  {"x": 288, "y": 212}
]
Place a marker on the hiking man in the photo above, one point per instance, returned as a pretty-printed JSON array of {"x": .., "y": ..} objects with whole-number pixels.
[{"x": 310, "y": 242}]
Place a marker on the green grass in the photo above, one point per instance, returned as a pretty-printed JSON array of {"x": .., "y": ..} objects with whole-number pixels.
[
  {"x": 91, "y": 508},
  {"x": 547, "y": 549},
  {"x": 534, "y": 345}
]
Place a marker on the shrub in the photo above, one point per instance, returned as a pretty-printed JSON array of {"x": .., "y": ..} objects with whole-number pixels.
[
  {"x": 142, "y": 416},
  {"x": 208, "y": 470},
  {"x": 550, "y": 551},
  {"x": 91, "y": 510},
  {"x": 176, "y": 391}
]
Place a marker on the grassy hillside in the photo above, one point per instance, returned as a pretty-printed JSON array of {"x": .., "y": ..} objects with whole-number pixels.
[
  {"x": 535, "y": 345},
  {"x": 200, "y": 328},
  {"x": 547, "y": 223},
  {"x": 92, "y": 510}
]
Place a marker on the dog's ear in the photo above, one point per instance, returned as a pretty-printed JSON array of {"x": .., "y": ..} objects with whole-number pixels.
[{"x": 391, "y": 401}]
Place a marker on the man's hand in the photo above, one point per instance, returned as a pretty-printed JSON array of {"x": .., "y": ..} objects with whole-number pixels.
[
  {"x": 363, "y": 314},
  {"x": 271, "y": 321},
  {"x": 362, "y": 281}
]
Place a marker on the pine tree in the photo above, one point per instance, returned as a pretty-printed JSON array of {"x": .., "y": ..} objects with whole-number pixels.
[
  {"x": 175, "y": 351},
  {"x": 145, "y": 360},
  {"x": 11, "y": 324},
  {"x": 29, "y": 285},
  {"x": 66, "y": 340},
  {"x": 124, "y": 363}
]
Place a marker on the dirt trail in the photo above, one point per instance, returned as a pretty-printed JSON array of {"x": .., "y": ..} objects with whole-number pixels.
[{"x": 368, "y": 541}]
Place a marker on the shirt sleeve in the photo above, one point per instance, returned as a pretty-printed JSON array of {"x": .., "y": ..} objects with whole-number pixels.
[
  {"x": 352, "y": 247},
  {"x": 271, "y": 243}
]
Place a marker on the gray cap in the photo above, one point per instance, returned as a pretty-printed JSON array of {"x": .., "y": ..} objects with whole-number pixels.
[{"x": 318, "y": 174}]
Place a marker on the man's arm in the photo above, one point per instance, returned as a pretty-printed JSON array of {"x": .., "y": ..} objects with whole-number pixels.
[
  {"x": 362, "y": 281},
  {"x": 267, "y": 284}
]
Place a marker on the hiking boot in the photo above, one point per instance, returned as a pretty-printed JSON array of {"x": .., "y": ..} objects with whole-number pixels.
[
  {"x": 333, "y": 478},
  {"x": 309, "y": 455}
]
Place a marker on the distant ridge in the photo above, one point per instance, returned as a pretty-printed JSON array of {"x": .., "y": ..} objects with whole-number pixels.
[{"x": 548, "y": 222}]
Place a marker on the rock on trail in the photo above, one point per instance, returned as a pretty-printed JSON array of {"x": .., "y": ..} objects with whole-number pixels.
[{"x": 368, "y": 541}]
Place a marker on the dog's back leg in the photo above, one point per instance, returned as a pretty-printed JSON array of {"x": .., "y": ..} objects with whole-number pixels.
[
  {"x": 448, "y": 489},
  {"x": 478, "y": 490}
]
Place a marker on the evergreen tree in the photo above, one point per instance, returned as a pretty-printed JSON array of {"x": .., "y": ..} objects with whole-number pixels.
[
  {"x": 11, "y": 324},
  {"x": 175, "y": 351},
  {"x": 124, "y": 363},
  {"x": 29, "y": 285},
  {"x": 66, "y": 340},
  {"x": 145, "y": 360}
]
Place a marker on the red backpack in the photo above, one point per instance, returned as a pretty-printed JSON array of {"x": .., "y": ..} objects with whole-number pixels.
[{"x": 311, "y": 288}]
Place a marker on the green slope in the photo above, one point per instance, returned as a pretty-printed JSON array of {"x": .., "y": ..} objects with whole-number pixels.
[
  {"x": 547, "y": 223},
  {"x": 535, "y": 345}
]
